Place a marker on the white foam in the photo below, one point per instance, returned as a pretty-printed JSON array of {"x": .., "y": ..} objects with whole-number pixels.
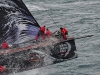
[
  {"x": 32, "y": 7},
  {"x": 85, "y": 2},
  {"x": 29, "y": 72}
]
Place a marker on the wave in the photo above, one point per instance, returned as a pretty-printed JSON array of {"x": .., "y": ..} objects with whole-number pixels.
[{"x": 34, "y": 8}]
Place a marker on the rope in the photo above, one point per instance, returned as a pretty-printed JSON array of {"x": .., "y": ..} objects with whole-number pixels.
[{"x": 80, "y": 47}]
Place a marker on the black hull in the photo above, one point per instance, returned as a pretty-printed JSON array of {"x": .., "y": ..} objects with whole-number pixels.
[{"x": 18, "y": 60}]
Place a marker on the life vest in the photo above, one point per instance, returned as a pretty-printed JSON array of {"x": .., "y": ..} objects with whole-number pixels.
[
  {"x": 2, "y": 69},
  {"x": 5, "y": 45},
  {"x": 42, "y": 29}
]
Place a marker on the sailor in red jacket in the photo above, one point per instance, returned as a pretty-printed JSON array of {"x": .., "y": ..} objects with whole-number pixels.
[
  {"x": 48, "y": 33},
  {"x": 2, "y": 69},
  {"x": 4, "y": 45},
  {"x": 42, "y": 29},
  {"x": 41, "y": 32},
  {"x": 64, "y": 32}
]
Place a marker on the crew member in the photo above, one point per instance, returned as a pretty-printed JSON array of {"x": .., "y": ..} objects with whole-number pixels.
[
  {"x": 4, "y": 45},
  {"x": 2, "y": 69},
  {"x": 48, "y": 33},
  {"x": 41, "y": 32},
  {"x": 64, "y": 32}
]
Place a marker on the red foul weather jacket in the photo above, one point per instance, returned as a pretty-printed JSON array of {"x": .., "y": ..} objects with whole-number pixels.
[
  {"x": 4, "y": 45},
  {"x": 64, "y": 31},
  {"x": 2, "y": 69},
  {"x": 48, "y": 33},
  {"x": 42, "y": 29}
]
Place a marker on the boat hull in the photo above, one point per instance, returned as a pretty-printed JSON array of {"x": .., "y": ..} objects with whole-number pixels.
[{"x": 19, "y": 59}]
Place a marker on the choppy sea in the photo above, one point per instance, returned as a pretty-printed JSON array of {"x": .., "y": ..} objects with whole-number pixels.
[{"x": 80, "y": 17}]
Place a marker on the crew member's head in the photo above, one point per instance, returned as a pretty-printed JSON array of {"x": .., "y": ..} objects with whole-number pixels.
[{"x": 61, "y": 28}]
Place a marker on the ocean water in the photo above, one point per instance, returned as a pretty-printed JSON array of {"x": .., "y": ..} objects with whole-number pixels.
[{"x": 80, "y": 17}]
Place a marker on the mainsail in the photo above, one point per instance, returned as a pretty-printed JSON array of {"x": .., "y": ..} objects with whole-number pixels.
[{"x": 16, "y": 22}]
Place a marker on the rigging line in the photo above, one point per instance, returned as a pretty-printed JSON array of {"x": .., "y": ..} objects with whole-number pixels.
[
  {"x": 49, "y": 13},
  {"x": 89, "y": 38},
  {"x": 83, "y": 43}
]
